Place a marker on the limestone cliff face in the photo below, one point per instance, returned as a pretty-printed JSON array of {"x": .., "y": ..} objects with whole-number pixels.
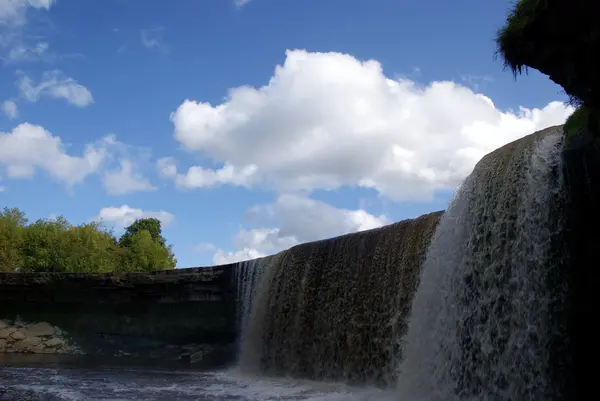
[{"x": 168, "y": 315}]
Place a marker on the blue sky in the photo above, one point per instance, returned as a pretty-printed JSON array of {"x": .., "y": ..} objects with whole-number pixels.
[{"x": 248, "y": 128}]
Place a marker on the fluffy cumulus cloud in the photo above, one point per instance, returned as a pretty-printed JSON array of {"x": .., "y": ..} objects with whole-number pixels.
[
  {"x": 10, "y": 109},
  {"x": 55, "y": 84},
  {"x": 125, "y": 215},
  {"x": 327, "y": 120},
  {"x": 28, "y": 148},
  {"x": 14, "y": 11},
  {"x": 125, "y": 180},
  {"x": 198, "y": 177},
  {"x": 298, "y": 219},
  {"x": 223, "y": 258}
]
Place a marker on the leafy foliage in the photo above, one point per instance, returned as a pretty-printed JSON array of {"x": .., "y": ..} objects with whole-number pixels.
[
  {"x": 559, "y": 38},
  {"x": 12, "y": 229},
  {"x": 151, "y": 225},
  {"x": 512, "y": 39},
  {"x": 57, "y": 246}
]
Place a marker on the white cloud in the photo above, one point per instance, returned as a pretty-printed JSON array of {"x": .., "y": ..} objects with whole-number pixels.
[
  {"x": 125, "y": 180},
  {"x": 124, "y": 215},
  {"x": 240, "y": 3},
  {"x": 205, "y": 247},
  {"x": 10, "y": 109},
  {"x": 15, "y": 34},
  {"x": 198, "y": 177},
  {"x": 13, "y": 11},
  {"x": 300, "y": 219},
  {"x": 223, "y": 258},
  {"x": 30, "y": 147},
  {"x": 327, "y": 120},
  {"x": 56, "y": 85},
  {"x": 153, "y": 39},
  {"x": 22, "y": 52}
]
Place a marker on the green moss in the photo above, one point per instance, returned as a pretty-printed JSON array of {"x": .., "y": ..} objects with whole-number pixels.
[
  {"x": 559, "y": 38},
  {"x": 577, "y": 123},
  {"x": 514, "y": 37}
]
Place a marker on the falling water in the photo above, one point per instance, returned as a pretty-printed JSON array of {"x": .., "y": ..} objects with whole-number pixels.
[
  {"x": 483, "y": 323},
  {"x": 334, "y": 309},
  {"x": 247, "y": 275}
]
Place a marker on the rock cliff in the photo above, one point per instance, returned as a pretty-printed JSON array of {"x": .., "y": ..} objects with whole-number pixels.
[{"x": 185, "y": 314}]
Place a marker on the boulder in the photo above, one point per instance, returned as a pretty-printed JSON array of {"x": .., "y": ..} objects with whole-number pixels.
[
  {"x": 19, "y": 346},
  {"x": 40, "y": 329},
  {"x": 49, "y": 350},
  {"x": 18, "y": 335},
  {"x": 3, "y": 324},
  {"x": 31, "y": 341},
  {"x": 38, "y": 349},
  {"x": 5, "y": 333},
  {"x": 54, "y": 342}
]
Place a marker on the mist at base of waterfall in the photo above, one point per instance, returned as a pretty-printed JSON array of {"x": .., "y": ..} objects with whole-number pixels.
[{"x": 78, "y": 380}]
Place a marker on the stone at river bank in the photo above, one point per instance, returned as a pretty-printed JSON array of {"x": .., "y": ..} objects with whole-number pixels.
[{"x": 34, "y": 338}]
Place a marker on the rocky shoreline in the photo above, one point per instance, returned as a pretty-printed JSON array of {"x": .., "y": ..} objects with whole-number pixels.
[{"x": 35, "y": 338}]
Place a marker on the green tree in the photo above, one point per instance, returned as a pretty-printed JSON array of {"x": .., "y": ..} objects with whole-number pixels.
[
  {"x": 45, "y": 245},
  {"x": 152, "y": 225},
  {"x": 57, "y": 246},
  {"x": 91, "y": 249},
  {"x": 12, "y": 226},
  {"x": 144, "y": 253}
]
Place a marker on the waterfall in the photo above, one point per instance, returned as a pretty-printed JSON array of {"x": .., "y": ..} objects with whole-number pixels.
[
  {"x": 484, "y": 320},
  {"x": 473, "y": 310},
  {"x": 247, "y": 275},
  {"x": 334, "y": 309}
]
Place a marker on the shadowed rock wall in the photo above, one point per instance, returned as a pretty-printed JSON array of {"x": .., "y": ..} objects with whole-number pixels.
[
  {"x": 169, "y": 315},
  {"x": 582, "y": 175}
]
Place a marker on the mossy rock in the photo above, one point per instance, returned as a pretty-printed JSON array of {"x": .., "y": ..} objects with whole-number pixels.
[
  {"x": 576, "y": 124},
  {"x": 583, "y": 124},
  {"x": 559, "y": 38}
]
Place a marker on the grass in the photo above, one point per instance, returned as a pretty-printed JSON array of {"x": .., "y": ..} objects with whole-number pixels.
[{"x": 516, "y": 39}]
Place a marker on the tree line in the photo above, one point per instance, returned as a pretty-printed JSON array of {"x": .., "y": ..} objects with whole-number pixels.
[{"x": 55, "y": 245}]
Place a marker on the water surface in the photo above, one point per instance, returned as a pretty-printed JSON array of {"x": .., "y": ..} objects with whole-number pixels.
[{"x": 50, "y": 379}]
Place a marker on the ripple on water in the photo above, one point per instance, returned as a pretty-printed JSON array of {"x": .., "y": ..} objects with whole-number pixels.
[{"x": 116, "y": 384}]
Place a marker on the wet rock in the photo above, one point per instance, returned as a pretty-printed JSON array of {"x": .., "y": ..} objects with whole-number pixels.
[
  {"x": 40, "y": 329},
  {"x": 38, "y": 349},
  {"x": 5, "y": 333},
  {"x": 31, "y": 342},
  {"x": 18, "y": 335},
  {"x": 54, "y": 342},
  {"x": 49, "y": 350},
  {"x": 19, "y": 346}
]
